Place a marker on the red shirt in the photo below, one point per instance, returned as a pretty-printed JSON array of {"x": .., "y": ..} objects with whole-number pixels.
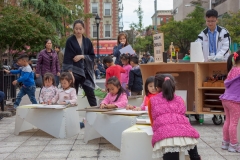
[{"x": 116, "y": 71}]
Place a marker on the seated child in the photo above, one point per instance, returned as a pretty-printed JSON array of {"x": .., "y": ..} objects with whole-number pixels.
[
  {"x": 172, "y": 131},
  {"x": 67, "y": 94},
  {"x": 150, "y": 91},
  {"x": 116, "y": 97},
  {"x": 49, "y": 89}
]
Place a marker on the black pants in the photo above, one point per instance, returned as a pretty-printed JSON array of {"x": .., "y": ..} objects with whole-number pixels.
[
  {"x": 193, "y": 153},
  {"x": 88, "y": 90}
]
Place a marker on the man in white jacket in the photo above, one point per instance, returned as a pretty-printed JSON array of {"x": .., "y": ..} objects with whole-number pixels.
[{"x": 215, "y": 39}]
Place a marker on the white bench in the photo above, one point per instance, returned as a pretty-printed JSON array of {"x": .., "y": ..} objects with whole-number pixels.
[
  {"x": 136, "y": 144},
  {"x": 60, "y": 123}
]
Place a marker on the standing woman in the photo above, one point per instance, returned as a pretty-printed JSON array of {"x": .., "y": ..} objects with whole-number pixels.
[
  {"x": 79, "y": 60},
  {"x": 48, "y": 62},
  {"x": 122, "y": 42}
]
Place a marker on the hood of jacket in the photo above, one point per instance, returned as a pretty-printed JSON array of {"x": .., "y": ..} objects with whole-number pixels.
[{"x": 136, "y": 71}]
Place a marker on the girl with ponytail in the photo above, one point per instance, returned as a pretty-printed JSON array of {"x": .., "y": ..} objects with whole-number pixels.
[{"x": 172, "y": 132}]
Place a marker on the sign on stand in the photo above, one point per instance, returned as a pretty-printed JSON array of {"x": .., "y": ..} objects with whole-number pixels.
[{"x": 158, "y": 44}]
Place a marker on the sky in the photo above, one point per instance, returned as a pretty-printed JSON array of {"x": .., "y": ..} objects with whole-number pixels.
[{"x": 148, "y": 10}]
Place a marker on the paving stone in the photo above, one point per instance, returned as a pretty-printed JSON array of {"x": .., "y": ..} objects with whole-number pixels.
[
  {"x": 85, "y": 147},
  {"x": 22, "y": 155},
  {"x": 61, "y": 141},
  {"x": 29, "y": 149},
  {"x": 110, "y": 153},
  {"x": 50, "y": 148},
  {"x": 237, "y": 157},
  {"x": 83, "y": 154},
  {"x": 225, "y": 152},
  {"x": 4, "y": 155},
  {"x": 35, "y": 143},
  {"x": 10, "y": 144},
  {"x": 109, "y": 158},
  {"x": 108, "y": 147},
  {"x": 82, "y": 159},
  {"x": 7, "y": 149},
  {"x": 53, "y": 155}
]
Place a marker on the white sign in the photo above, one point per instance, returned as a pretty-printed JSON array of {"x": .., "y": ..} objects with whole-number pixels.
[{"x": 158, "y": 44}]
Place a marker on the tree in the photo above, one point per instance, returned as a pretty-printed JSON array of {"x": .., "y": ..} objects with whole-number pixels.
[
  {"x": 77, "y": 10},
  {"x": 232, "y": 23},
  {"x": 182, "y": 33},
  {"x": 138, "y": 26},
  {"x": 21, "y": 28},
  {"x": 52, "y": 10}
]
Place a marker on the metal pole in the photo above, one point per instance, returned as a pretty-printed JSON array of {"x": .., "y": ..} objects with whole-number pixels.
[
  {"x": 210, "y": 4},
  {"x": 97, "y": 43},
  {"x": 155, "y": 8}
]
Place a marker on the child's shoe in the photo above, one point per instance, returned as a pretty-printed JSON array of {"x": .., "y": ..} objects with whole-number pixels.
[
  {"x": 234, "y": 148},
  {"x": 225, "y": 145}
]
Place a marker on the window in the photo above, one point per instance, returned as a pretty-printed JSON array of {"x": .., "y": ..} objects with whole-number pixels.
[
  {"x": 167, "y": 19},
  {"x": 107, "y": 9},
  {"x": 94, "y": 29},
  {"x": 107, "y": 30},
  {"x": 95, "y": 8}
]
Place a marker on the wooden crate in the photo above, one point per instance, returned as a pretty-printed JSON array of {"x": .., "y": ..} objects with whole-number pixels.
[
  {"x": 183, "y": 74},
  {"x": 204, "y": 97}
]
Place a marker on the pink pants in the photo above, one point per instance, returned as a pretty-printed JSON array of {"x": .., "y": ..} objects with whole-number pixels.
[{"x": 232, "y": 112}]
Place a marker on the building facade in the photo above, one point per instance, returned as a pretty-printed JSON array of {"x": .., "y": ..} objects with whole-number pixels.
[
  {"x": 108, "y": 11},
  {"x": 181, "y": 8},
  {"x": 163, "y": 16}
]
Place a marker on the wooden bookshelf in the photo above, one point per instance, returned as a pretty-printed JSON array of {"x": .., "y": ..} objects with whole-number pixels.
[{"x": 190, "y": 77}]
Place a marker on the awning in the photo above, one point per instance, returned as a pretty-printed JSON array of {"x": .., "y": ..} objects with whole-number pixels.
[{"x": 105, "y": 46}]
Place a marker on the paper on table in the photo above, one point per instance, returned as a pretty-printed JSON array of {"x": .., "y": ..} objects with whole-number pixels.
[
  {"x": 45, "y": 106},
  {"x": 129, "y": 111},
  {"x": 147, "y": 129},
  {"x": 127, "y": 49}
]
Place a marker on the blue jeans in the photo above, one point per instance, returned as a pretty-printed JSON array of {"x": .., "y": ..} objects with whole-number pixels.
[
  {"x": 56, "y": 80},
  {"x": 30, "y": 91},
  {"x": 2, "y": 95}
]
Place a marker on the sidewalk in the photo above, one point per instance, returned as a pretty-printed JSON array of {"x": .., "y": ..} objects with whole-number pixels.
[{"x": 37, "y": 144}]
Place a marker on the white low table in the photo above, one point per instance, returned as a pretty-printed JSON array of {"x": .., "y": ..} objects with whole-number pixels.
[
  {"x": 60, "y": 123},
  {"x": 108, "y": 126},
  {"x": 137, "y": 145}
]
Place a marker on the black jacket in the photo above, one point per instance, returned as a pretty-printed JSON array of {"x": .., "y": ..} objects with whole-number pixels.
[
  {"x": 84, "y": 66},
  {"x": 135, "y": 83}
]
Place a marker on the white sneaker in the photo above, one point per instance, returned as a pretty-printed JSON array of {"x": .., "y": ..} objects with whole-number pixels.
[
  {"x": 225, "y": 145},
  {"x": 234, "y": 148}
]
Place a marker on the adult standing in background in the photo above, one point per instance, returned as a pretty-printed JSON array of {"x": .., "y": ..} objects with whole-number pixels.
[
  {"x": 121, "y": 42},
  {"x": 48, "y": 62},
  {"x": 215, "y": 39},
  {"x": 60, "y": 56},
  {"x": 79, "y": 60}
]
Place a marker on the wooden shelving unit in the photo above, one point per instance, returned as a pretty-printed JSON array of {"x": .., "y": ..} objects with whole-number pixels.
[{"x": 190, "y": 77}]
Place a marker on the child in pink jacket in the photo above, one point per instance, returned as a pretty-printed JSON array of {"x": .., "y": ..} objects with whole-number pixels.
[
  {"x": 172, "y": 132},
  {"x": 116, "y": 97},
  {"x": 125, "y": 59},
  {"x": 66, "y": 95}
]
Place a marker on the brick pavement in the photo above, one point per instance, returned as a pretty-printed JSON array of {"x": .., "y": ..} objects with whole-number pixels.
[{"x": 36, "y": 144}]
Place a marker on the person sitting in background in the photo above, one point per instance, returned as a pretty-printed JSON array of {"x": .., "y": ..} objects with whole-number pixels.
[
  {"x": 101, "y": 67},
  {"x": 149, "y": 58},
  {"x": 97, "y": 72}
]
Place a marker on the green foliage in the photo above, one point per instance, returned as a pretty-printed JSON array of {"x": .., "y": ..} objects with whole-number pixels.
[
  {"x": 182, "y": 33},
  {"x": 232, "y": 23},
  {"x": 145, "y": 43},
  {"x": 138, "y": 26},
  {"x": 20, "y": 28},
  {"x": 51, "y": 10}
]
